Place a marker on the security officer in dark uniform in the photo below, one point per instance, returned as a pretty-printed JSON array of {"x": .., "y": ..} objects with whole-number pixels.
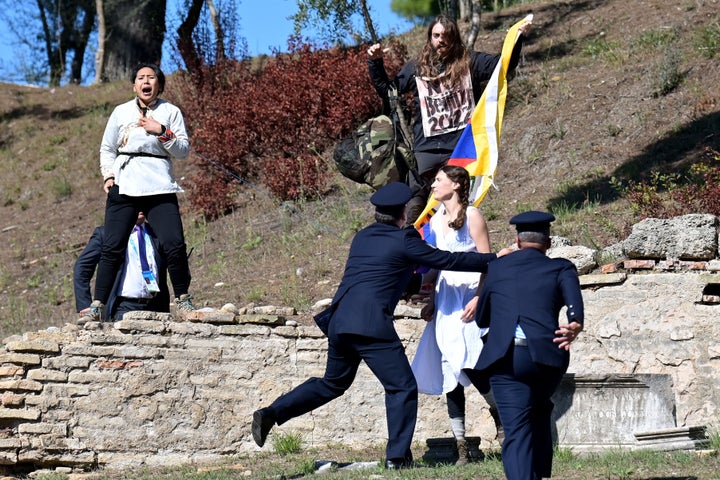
[
  {"x": 380, "y": 263},
  {"x": 527, "y": 351}
]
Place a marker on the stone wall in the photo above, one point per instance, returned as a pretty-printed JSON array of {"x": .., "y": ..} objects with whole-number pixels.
[{"x": 150, "y": 389}]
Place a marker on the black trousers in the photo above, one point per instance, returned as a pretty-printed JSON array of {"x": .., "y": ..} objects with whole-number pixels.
[
  {"x": 522, "y": 390},
  {"x": 388, "y": 362},
  {"x": 163, "y": 214}
]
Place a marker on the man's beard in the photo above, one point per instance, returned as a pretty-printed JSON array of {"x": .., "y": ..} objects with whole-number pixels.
[{"x": 441, "y": 56}]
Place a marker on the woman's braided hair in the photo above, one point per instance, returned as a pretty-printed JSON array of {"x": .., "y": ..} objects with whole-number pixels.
[{"x": 460, "y": 176}]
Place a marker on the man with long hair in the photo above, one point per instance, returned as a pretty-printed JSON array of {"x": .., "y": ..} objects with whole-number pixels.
[{"x": 446, "y": 80}]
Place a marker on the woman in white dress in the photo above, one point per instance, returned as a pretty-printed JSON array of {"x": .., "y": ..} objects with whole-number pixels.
[{"x": 452, "y": 340}]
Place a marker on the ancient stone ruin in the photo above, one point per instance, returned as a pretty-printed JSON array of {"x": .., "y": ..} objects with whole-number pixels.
[{"x": 158, "y": 390}]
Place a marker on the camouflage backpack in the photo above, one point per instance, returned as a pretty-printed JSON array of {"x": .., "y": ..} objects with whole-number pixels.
[{"x": 374, "y": 154}]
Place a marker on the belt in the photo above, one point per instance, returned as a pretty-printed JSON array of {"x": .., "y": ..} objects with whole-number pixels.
[
  {"x": 140, "y": 301},
  {"x": 521, "y": 342}
]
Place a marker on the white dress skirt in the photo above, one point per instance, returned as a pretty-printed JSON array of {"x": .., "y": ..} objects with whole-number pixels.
[{"x": 448, "y": 344}]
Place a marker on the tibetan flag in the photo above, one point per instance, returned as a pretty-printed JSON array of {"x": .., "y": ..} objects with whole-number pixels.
[{"x": 477, "y": 149}]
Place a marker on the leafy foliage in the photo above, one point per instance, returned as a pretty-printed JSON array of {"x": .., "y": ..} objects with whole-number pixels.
[
  {"x": 666, "y": 195},
  {"x": 271, "y": 123}
]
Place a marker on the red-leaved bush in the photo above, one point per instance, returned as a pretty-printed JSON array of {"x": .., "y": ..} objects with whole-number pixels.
[{"x": 271, "y": 123}]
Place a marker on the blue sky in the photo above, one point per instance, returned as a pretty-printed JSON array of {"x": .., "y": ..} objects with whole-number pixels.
[{"x": 263, "y": 23}]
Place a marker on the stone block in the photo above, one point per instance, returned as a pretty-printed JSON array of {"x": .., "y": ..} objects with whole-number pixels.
[
  {"x": 244, "y": 330},
  {"x": 595, "y": 412},
  {"x": 639, "y": 264},
  {"x": 19, "y": 413},
  {"x": 66, "y": 362},
  {"x": 8, "y": 443},
  {"x": 9, "y": 399},
  {"x": 95, "y": 378},
  {"x": 273, "y": 310},
  {"x": 8, "y": 458},
  {"x": 688, "y": 237},
  {"x": 21, "y": 385},
  {"x": 46, "y": 375},
  {"x": 33, "y": 346},
  {"x": 213, "y": 317},
  {"x": 601, "y": 280},
  {"x": 195, "y": 329},
  {"x": 260, "y": 319},
  {"x": 582, "y": 257},
  {"x": 11, "y": 371},
  {"x": 44, "y": 428},
  {"x": 20, "y": 358},
  {"x": 683, "y": 438},
  {"x": 407, "y": 311},
  {"x": 147, "y": 326},
  {"x": 110, "y": 337},
  {"x": 610, "y": 267}
]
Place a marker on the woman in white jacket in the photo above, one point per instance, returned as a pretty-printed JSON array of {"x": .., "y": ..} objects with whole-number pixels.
[{"x": 141, "y": 138}]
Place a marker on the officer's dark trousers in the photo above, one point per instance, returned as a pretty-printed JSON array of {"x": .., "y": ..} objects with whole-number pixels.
[
  {"x": 522, "y": 391},
  {"x": 387, "y": 360}
]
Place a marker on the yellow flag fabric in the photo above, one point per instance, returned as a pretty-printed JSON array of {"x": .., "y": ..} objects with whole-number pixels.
[{"x": 477, "y": 148}]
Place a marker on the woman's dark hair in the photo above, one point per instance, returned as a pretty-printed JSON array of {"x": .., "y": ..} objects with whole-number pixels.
[
  {"x": 460, "y": 176},
  {"x": 158, "y": 73}
]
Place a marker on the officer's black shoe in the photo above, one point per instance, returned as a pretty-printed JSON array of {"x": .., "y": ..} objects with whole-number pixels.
[
  {"x": 263, "y": 421},
  {"x": 398, "y": 463}
]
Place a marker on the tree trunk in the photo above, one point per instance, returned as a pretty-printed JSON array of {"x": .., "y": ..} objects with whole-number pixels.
[
  {"x": 55, "y": 64},
  {"x": 368, "y": 21},
  {"x": 474, "y": 24},
  {"x": 219, "y": 33},
  {"x": 81, "y": 38},
  {"x": 185, "y": 44},
  {"x": 102, "y": 35},
  {"x": 135, "y": 34}
]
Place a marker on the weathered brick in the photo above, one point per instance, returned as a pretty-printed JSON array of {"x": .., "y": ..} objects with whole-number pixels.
[
  {"x": 26, "y": 385},
  {"x": 602, "y": 279},
  {"x": 19, "y": 413},
  {"x": 147, "y": 326},
  {"x": 639, "y": 264},
  {"x": 44, "y": 428},
  {"x": 610, "y": 267},
  {"x": 8, "y": 443},
  {"x": 136, "y": 352},
  {"x": 8, "y": 458},
  {"x": 34, "y": 346},
  {"x": 261, "y": 319},
  {"x": 196, "y": 329},
  {"x": 11, "y": 371},
  {"x": 66, "y": 362},
  {"x": 215, "y": 316},
  {"x": 66, "y": 390},
  {"x": 244, "y": 330},
  {"x": 46, "y": 375},
  {"x": 112, "y": 337},
  {"x": 89, "y": 350},
  {"x": 8, "y": 399},
  {"x": 103, "y": 376},
  {"x": 43, "y": 402},
  {"x": 20, "y": 358}
]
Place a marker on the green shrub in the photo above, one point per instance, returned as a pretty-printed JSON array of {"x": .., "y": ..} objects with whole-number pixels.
[
  {"x": 707, "y": 40},
  {"x": 668, "y": 75}
]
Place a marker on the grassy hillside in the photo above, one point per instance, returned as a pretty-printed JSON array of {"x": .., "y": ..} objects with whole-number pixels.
[{"x": 606, "y": 89}]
